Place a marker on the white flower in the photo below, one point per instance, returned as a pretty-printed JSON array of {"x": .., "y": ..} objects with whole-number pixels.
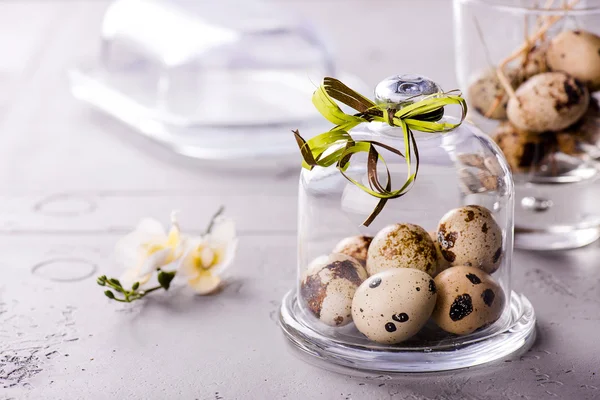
[
  {"x": 148, "y": 248},
  {"x": 206, "y": 257}
]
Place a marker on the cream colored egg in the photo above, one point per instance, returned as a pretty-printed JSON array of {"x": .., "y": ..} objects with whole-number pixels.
[
  {"x": 354, "y": 246},
  {"x": 392, "y": 306},
  {"x": 548, "y": 102},
  {"x": 522, "y": 150},
  {"x": 578, "y": 54},
  {"x": 442, "y": 263},
  {"x": 585, "y": 131},
  {"x": 328, "y": 287},
  {"x": 470, "y": 236},
  {"x": 401, "y": 246},
  {"x": 535, "y": 61},
  {"x": 467, "y": 299},
  {"x": 487, "y": 96}
]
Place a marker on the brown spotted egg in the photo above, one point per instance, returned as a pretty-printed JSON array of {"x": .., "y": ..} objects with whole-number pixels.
[
  {"x": 392, "y": 306},
  {"x": 535, "y": 61},
  {"x": 355, "y": 247},
  {"x": 487, "y": 95},
  {"x": 467, "y": 299},
  {"x": 578, "y": 54},
  {"x": 402, "y": 246},
  {"x": 442, "y": 263},
  {"x": 522, "y": 150},
  {"x": 550, "y": 101},
  {"x": 470, "y": 236},
  {"x": 328, "y": 287}
]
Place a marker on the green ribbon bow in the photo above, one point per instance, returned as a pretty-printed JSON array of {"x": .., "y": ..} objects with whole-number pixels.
[{"x": 337, "y": 146}]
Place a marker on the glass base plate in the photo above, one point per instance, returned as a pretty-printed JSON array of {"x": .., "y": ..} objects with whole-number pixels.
[
  {"x": 360, "y": 354},
  {"x": 555, "y": 238}
]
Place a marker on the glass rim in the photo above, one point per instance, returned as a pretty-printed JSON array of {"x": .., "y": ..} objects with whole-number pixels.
[{"x": 517, "y": 9}]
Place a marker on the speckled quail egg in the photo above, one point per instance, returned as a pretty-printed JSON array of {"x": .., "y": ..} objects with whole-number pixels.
[
  {"x": 548, "y": 102},
  {"x": 470, "y": 236},
  {"x": 471, "y": 160},
  {"x": 493, "y": 166},
  {"x": 585, "y": 131},
  {"x": 401, "y": 246},
  {"x": 487, "y": 90},
  {"x": 354, "y": 246},
  {"x": 522, "y": 150},
  {"x": 442, "y": 263},
  {"x": 478, "y": 181},
  {"x": 578, "y": 54},
  {"x": 479, "y": 174},
  {"x": 535, "y": 61},
  {"x": 393, "y": 305},
  {"x": 469, "y": 183},
  {"x": 467, "y": 299},
  {"x": 328, "y": 287},
  {"x": 569, "y": 143}
]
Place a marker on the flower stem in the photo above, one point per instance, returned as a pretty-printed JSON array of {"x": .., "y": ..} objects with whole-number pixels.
[
  {"x": 128, "y": 295},
  {"x": 214, "y": 218},
  {"x": 145, "y": 292}
]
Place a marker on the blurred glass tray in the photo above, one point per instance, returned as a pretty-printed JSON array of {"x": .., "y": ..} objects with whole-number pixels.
[
  {"x": 268, "y": 135},
  {"x": 221, "y": 80}
]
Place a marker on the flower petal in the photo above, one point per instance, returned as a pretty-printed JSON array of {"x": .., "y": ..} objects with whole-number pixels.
[
  {"x": 131, "y": 276},
  {"x": 151, "y": 227},
  {"x": 227, "y": 255},
  {"x": 185, "y": 264},
  {"x": 223, "y": 230},
  {"x": 205, "y": 283},
  {"x": 126, "y": 255},
  {"x": 154, "y": 261},
  {"x": 127, "y": 249}
]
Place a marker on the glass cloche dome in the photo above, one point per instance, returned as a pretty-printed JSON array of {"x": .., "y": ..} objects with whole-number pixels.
[
  {"x": 409, "y": 280},
  {"x": 219, "y": 81}
]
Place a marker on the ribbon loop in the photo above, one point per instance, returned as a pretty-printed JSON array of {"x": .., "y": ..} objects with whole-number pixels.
[{"x": 337, "y": 145}]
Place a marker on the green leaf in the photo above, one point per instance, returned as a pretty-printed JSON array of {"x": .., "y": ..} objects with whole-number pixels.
[
  {"x": 109, "y": 294},
  {"x": 165, "y": 278},
  {"x": 135, "y": 286}
]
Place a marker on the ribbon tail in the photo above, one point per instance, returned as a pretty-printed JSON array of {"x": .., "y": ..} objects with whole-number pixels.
[
  {"x": 378, "y": 208},
  {"x": 307, "y": 156},
  {"x": 407, "y": 134},
  {"x": 380, "y": 204},
  {"x": 416, "y": 149}
]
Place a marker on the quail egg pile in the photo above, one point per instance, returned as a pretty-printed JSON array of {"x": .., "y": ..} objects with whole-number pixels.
[
  {"x": 390, "y": 285},
  {"x": 554, "y": 109}
]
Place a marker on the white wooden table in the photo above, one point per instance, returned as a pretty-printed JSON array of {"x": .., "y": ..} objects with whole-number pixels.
[{"x": 72, "y": 182}]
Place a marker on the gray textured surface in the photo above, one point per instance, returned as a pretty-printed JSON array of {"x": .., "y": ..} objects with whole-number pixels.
[{"x": 71, "y": 183}]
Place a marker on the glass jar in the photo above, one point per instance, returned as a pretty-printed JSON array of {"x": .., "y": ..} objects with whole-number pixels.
[
  {"x": 216, "y": 81},
  {"x": 458, "y": 170},
  {"x": 550, "y": 136}
]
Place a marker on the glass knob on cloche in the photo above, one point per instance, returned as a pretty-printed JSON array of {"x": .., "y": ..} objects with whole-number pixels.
[
  {"x": 405, "y": 222},
  {"x": 402, "y": 88}
]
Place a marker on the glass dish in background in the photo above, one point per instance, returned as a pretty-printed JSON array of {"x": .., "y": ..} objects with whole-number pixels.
[
  {"x": 555, "y": 173},
  {"x": 223, "y": 80}
]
